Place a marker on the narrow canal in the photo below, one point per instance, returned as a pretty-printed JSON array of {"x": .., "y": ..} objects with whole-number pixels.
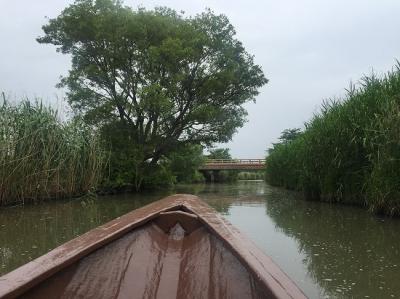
[{"x": 330, "y": 251}]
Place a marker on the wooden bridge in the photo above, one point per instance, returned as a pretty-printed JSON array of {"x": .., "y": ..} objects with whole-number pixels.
[{"x": 233, "y": 164}]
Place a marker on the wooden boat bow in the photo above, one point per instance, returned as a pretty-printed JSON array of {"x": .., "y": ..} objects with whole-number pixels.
[{"x": 177, "y": 247}]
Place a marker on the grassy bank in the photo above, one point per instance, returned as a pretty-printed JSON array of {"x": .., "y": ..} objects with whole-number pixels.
[
  {"x": 350, "y": 151},
  {"x": 42, "y": 157}
]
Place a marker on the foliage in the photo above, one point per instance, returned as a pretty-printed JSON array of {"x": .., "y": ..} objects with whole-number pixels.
[
  {"x": 289, "y": 135},
  {"x": 221, "y": 176},
  {"x": 282, "y": 162},
  {"x": 220, "y": 153},
  {"x": 251, "y": 175},
  {"x": 159, "y": 176},
  {"x": 126, "y": 170},
  {"x": 170, "y": 80},
  {"x": 185, "y": 163},
  {"x": 350, "y": 151},
  {"x": 125, "y": 158},
  {"x": 41, "y": 157}
]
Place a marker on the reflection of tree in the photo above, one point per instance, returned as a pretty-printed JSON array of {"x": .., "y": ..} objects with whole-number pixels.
[
  {"x": 30, "y": 231},
  {"x": 222, "y": 196},
  {"x": 209, "y": 193},
  {"x": 348, "y": 251}
]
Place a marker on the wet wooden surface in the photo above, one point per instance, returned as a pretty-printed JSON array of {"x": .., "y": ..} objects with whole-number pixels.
[{"x": 146, "y": 254}]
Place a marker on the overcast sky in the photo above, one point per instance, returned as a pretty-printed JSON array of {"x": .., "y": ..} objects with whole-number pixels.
[{"x": 310, "y": 50}]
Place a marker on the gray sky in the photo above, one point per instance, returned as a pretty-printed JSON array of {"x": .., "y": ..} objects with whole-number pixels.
[{"x": 310, "y": 50}]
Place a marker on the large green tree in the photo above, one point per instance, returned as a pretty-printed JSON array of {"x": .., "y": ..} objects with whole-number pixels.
[{"x": 169, "y": 79}]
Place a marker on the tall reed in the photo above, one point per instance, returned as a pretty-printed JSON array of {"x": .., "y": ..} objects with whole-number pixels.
[
  {"x": 350, "y": 151},
  {"x": 42, "y": 157}
]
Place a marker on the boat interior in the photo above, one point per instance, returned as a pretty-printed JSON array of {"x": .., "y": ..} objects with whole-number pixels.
[{"x": 172, "y": 255}]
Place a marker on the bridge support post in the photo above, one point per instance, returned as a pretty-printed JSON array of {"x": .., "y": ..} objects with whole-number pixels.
[
  {"x": 215, "y": 176},
  {"x": 211, "y": 176}
]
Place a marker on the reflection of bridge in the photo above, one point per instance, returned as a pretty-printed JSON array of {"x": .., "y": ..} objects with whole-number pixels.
[{"x": 233, "y": 164}]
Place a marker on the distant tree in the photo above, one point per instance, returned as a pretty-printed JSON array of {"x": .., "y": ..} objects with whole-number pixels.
[
  {"x": 287, "y": 136},
  {"x": 223, "y": 175},
  {"x": 220, "y": 153},
  {"x": 169, "y": 79},
  {"x": 290, "y": 135}
]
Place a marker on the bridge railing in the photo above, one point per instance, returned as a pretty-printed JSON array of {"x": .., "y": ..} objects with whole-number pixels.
[{"x": 234, "y": 161}]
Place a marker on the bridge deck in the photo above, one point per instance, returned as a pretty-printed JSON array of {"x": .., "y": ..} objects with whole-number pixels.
[{"x": 233, "y": 164}]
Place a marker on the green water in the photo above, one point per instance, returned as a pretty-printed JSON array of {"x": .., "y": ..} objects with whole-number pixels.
[{"x": 330, "y": 251}]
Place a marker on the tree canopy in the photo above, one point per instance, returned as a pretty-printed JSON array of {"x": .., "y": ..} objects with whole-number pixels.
[
  {"x": 220, "y": 153},
  {"x": 289, "y": 135},
  {"x": 169, "y": 79}
]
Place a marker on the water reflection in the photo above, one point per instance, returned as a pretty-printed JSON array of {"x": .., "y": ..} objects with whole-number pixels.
[
  {"x": 222, "y": 196},
  {"x": 329, "y": 250},
  {"x": 30, "y": 231},
  {"x": 349, "y": 252}
]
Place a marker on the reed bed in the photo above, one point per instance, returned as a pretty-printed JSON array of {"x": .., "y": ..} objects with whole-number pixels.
[
  {"x": 350, "y": 151},
  {"x": 44, "y": 158}
]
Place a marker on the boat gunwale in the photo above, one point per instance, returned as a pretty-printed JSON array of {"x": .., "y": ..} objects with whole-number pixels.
[{"x": 274, "y": 281}]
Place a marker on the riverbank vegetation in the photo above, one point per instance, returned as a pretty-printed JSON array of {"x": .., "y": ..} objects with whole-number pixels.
[
  {"x": 153, "y": 81},
  {"x": 42, "y": 157},
  {"x": 149, "y": 90},
  {"x": 349, "y": 152}
]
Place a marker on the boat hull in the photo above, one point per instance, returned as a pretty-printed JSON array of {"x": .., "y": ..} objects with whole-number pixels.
[{"x": 177, "y": 247}]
